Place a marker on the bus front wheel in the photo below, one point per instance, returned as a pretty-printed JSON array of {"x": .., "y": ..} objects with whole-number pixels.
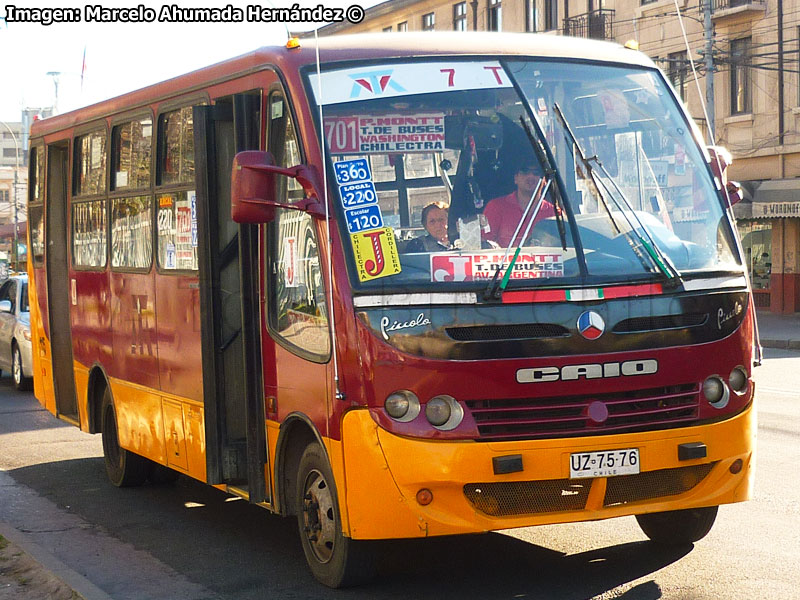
[
  {"x": 335, "y": 560},
  {"x": 678, "y": 527},
  {"x": 124, "y": 468}
]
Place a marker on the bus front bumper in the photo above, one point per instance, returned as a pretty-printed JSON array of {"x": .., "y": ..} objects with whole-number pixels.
[{"x": 385, "y": 472}]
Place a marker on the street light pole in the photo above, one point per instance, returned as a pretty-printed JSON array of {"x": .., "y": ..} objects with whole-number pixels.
[
  {"x": 55, "y": 75},
  {"x": 16, "y": 180}
]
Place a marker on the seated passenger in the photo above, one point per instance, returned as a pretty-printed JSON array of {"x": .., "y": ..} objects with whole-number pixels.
[
  {"x": 434, "y": 219},
  {"x": 504, "y": 213}
]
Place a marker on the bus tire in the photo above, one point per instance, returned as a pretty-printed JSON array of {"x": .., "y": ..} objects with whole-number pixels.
[
  {"x": 335, "y": 560},
  {"x": 124, "y": 468},
  {"x": 678, "y": 527}
]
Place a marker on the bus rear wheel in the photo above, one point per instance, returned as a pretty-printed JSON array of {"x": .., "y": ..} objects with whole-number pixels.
[
  {"x": 124, "y": 468},
  {"x": 335, "y": 560},
  {"x": 678, "y": 527}
]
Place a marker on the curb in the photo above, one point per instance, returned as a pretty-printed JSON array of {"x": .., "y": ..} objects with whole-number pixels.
[
  {"x": 73, "y": 579},
  {"x": 781, "y": 344}
]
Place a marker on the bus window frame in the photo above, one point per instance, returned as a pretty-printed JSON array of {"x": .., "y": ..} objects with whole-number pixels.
[
  {"x": 77, "y": 134},
  {"x": 197, "y": 99},
  {"x": 38, "y": 203},
  {"x": 114, "y": 194},
  {"x": 270, "y": 235},
  {"x": 73, "y": 198},
  {"x": 119, "y": 121}
]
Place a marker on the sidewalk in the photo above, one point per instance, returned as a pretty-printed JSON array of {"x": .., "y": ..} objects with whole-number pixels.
[{"x": 779, "y": 331}]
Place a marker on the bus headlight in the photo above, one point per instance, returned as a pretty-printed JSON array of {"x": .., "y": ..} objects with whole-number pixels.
[
  {"x": 716, "y": 392},
  {"x": 402, "y": 406},
  {"x": 738, "y": 380},
  {"x": 443, "y": 412}
]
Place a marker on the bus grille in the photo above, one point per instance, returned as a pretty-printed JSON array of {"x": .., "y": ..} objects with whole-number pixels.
[
  {"x": 654, "y": 484},
  {"x": 568, "y": 416},
  {"x": 683, "y": 321},
  {"x": 514, "y": 498},
  {"x": 505, "y": 499},
  {"x": 521, "y": 331}
]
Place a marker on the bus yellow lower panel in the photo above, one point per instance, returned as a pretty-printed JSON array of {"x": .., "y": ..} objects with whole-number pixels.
[{"x": 384, "y": 472}]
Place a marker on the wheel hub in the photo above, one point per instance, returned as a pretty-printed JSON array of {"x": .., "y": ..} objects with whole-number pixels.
[{"x": 318, "y": 518}]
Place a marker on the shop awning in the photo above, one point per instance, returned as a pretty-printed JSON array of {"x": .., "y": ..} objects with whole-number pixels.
[{"x": 777, "y": 198}]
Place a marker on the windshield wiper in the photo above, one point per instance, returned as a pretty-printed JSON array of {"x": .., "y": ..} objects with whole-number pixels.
[
  {"x": 549, "y": 171},
  {"x": 651, "y": 249},
  {"x": 495, "y": 290}
]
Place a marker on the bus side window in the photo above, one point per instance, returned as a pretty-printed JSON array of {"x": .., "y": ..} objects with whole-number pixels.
[
  {"x": 283, "y": 145},
  {"x": 298, "y": 313},
  {"x": 36, "y": 206}
]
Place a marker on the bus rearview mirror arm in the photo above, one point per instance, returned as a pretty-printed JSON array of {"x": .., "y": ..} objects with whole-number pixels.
[
  {"x": 720, "y": 160},
  {"x": 253, "y": 188}
]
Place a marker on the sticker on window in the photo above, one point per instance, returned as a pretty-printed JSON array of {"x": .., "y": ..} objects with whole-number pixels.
[
  {"x": 473, "y": 267},
  {"x": 364, "y": 218},
  {"x": 615, "y": 107},
  {"x": 392, "y": 80},
  {"x": 385, "y": 134},
  {"x": 376, "y": 253},
  {"x": 290, "y": 274}
]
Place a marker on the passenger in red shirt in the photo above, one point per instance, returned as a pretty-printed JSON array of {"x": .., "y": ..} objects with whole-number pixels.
[{"x": 504, "y": 213}]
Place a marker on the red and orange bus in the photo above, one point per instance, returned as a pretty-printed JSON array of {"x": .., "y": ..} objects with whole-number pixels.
[{"x": 223, "y": 283}]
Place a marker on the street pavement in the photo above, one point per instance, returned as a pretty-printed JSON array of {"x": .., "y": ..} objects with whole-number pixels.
[
  {"x": 779, "y": 331},
  {"x": 775, "y": 331}
]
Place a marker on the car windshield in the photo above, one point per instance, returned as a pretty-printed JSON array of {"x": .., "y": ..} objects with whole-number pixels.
[{"x": 446, "y": 170}]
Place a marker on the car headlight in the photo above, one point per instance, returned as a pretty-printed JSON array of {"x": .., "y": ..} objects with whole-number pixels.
[{"x": 26, "y": 333}]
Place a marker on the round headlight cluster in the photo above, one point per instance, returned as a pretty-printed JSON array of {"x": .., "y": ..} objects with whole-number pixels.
[
  {"x": 716, "y": 392},
  {"x": 402, "y": 406},
  {"x": 443, "y": 412},
  {"x": 738, "y": 380}
]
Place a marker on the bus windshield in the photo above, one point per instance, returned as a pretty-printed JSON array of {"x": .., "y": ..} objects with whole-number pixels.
[{"x": 445, "y": 169}]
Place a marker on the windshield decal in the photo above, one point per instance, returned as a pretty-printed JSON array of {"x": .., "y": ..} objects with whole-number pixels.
[
  {"x": 376, "y": 254},
  {"x": 367, "y": 83},
  {"x": 359, "y": 198},
  {"x": 378, "y": 134},
  {"x": 539, "y": 264}
]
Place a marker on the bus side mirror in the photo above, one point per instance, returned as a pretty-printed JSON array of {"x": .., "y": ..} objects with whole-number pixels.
[
  {"x": 734, "y": 191},
  {"x": 721, "y": 159},
  {"x": 253, "y": 188}
]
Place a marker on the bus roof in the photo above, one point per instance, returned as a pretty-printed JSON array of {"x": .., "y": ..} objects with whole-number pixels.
[{"x": 353, "y": 47}]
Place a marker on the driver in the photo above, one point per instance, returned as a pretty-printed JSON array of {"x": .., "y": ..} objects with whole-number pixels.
[{"x": 503, "y": 214}]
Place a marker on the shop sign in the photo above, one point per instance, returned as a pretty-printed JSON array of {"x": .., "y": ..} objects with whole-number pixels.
[{"x": 776, "y": 209}]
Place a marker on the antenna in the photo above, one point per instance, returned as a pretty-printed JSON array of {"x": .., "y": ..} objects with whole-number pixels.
[
  {"x": 285, "y": 26},
  {"x": 323, "y": 152}
]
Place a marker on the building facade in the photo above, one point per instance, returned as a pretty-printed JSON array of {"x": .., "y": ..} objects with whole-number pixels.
[{"x": 753, "y": 100}]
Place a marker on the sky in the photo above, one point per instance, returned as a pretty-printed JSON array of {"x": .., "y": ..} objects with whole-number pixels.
[{"x": 120, "y": 57}]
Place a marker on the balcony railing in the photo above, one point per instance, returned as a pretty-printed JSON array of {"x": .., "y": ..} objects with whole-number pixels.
[
  {"x": 724, "y": 5},
  {"x": 597, "y": 24}
]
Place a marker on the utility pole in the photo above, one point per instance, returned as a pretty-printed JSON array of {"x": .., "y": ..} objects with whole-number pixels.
[
  {"x": 781, "y": 99},
  {"x": 55, "y": 75},
  {"x": 709, "y": 61},
  {"x": 16, "y": 191}
]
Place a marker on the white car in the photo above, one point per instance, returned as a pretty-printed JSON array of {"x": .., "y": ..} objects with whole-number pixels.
[{"x": 15, "y": 331}]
